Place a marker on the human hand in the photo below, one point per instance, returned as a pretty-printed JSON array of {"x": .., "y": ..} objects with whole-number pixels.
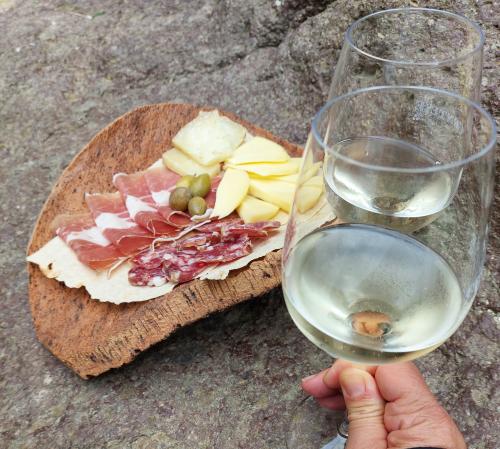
[{"x": 389, "y": 406}]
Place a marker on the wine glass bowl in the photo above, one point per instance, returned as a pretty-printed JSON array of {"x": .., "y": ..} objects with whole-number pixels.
[
  {"x": 411, "y": 46},
  {"x": 419, "y": 160}
]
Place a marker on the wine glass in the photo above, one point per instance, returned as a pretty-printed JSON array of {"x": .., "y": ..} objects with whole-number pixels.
[
  {"x": 411, "y": 46},
  {"x": 370, "y": 290}
]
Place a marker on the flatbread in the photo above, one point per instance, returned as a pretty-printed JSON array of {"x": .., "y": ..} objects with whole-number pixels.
[{"x": 58, "y": 261}]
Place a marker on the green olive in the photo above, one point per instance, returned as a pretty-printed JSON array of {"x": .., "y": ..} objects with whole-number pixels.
[
  {"x": 200, "y": 185},
  {"x": 197, "y": 206},
  {"x": 179, "y": 198},
  {"x": 185, "y": 181}
]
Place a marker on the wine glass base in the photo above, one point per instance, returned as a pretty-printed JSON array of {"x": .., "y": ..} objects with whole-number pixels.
[{"x": 314, "y": 427}]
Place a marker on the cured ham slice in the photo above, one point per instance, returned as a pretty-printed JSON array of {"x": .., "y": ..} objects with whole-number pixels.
[
  {"x": 160, "y": 182},
  {"x": 140, "y": 203},
  {"x": 112, "y": 218},
  {"x": 82, "y": 235}
]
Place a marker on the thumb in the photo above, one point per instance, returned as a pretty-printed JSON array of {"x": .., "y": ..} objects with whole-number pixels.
[{"x": 365, "y": 408}]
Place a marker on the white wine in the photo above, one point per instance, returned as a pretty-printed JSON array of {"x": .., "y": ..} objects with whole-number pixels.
[
  {"x": 370, "y": 294},
  {"x": 400, "y": 200}
]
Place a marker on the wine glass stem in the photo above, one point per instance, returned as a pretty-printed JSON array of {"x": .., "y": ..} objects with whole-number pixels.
[{"x": 340, "y": 440}]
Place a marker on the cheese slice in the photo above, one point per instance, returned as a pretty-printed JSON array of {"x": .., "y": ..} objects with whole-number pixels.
[
  {"x": 180, "y": 163},
  {"x": 307, "y": 196},
  {"x": 258, "y": 150},
  {"x": 231, "y": 191},
  {"x": 294, "y": 178},
  {"x": 275, "y": 192},
  {"x": 270, "y": 169},
  {"x": 209, "y": 138},
  {"x": 315, "y": 181},
  {"x": 252, "y": 210}
]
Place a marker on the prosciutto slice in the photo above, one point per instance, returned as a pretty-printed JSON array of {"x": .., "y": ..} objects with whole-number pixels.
[
  {"x": 161, "y": 182},
  {"x": 140, "y": 203},
  {"x": 82, "y": 235},
  {"x": 112, "y": 218}
]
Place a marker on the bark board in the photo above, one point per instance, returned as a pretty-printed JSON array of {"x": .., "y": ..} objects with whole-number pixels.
[{"x": 92, "y": 337}]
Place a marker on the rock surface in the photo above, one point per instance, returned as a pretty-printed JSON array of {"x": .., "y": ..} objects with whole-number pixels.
[{"x": 68, "y": 68}]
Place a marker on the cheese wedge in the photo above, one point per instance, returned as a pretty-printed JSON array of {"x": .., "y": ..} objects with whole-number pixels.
[
  {"x": 275, "y": 192},
  {"x": 315, "y": 181},
  {"x": 264, "y": 169},
  {"x": 252, "y": 210},
  {"x": 258, "y": 150},
  {"x": 231, "y": 191},
  {"x": 180, "y": 163},
  {"x": 294, "y": 178},
  {"x": 209, "y": 138},
  {"x": 307, "y": 196}
]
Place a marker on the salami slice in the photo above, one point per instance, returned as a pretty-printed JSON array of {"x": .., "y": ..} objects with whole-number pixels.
[
  {"x": 90, "y": 245},
  {"x": 151, "y": 277},
  {"x": 112, "y": 218},
  {"x": 182, "y": 261},
  {"x": 253, "y": 230}
]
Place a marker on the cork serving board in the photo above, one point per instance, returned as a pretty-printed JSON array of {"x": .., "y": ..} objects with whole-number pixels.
[{"x": 91, "y": 337}]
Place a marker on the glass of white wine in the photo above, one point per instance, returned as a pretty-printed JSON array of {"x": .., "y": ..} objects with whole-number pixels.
[
  {"x": 387, "y": 235},
  {"x": 411, "y": 46}
]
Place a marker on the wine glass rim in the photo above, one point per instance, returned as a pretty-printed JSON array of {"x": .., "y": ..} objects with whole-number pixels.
[
  {"x": 435, "y": 168},
  {"x": 349, "y": 38}
]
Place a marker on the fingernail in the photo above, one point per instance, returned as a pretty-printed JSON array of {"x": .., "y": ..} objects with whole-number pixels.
[
  {"x": 308, "y": 378},
  {"x": 353, "y": 384}
]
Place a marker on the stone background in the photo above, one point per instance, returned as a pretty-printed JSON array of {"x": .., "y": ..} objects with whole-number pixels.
[{"x": 67, "y": 68}]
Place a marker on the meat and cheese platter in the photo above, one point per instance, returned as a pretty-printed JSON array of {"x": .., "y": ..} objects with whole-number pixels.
[{"x": 169, "y": 214}]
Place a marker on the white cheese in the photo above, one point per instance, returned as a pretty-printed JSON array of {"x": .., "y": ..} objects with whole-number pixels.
[
  {"x": 258, "y": 150},
  {"x": 209, "y": 138}
]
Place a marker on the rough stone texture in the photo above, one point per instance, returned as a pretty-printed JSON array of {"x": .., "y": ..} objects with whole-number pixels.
[{"x": 68, "y": 68}]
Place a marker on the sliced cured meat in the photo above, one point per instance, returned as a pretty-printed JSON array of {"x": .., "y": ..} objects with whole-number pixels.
[
  {"x": 112, "y": 218},
  {"x": 183, "y": 260},
  {"x": 151, "y": 277},
  {"x": 233, "y": 226},
  {"x": 253, "y": 230},
  {"x": 210, "y": 198},
  {"x": 160, "y": 182},
  {"x": 82, "y": 235},
  {"x": 181, "y": 219},
  {"x": 140, "y": 204},
  {"x": 216, "y": 226}
]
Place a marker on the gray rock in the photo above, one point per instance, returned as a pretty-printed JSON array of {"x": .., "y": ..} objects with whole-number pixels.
[{"x": 69, "y": 68}]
